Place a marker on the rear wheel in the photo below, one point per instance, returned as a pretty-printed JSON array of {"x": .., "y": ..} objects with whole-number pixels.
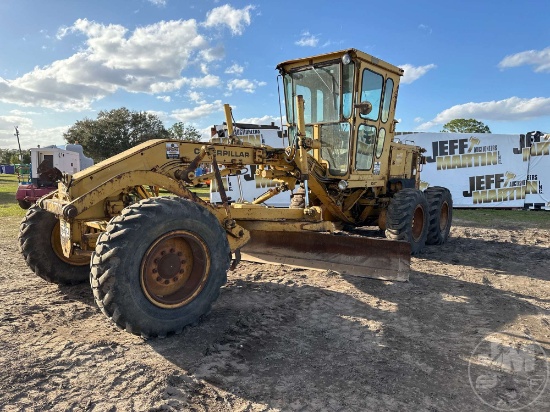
[
  {"x": 407, "y": 218},
  {"x": 40, "y": 244},
  {"x": 440, "y": 210},
  {"x": 159, "y": 266}
]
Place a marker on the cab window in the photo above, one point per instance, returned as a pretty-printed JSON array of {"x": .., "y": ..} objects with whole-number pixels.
[
  {"x": 366, "y": 138},
  {"x": 387, "y": 100},
  {"x": 371, "y": 91},
  {"x": 335, "y": 139}
]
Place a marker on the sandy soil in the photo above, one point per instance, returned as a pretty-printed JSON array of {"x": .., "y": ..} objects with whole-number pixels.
[{"x": 287, "y": 339}]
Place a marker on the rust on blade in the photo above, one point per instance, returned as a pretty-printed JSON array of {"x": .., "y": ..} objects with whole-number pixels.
[{"x": 352, "y": 255}]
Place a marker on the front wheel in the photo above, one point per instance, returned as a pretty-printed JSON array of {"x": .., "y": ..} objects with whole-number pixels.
[
  {"x": 407, "y": 218},
  {"x": 159, "y": 266},
  {"x": 40, "y": 244}
]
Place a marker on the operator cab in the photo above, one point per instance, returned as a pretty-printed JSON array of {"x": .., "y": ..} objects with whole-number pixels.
[{"x": 349, "y": 106}]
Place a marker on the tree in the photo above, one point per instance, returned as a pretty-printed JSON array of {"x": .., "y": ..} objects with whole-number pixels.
[
  {"x": 465, "y": 126},
  {"x": 11, "y": 156},
  {"x": 181, "y": 132},
  {"x": 115, "y": 131}
]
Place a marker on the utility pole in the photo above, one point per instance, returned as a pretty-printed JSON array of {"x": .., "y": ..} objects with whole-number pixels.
[{"x": 16, "y": 134}]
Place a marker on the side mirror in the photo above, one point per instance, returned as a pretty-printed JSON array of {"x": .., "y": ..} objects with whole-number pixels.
[{"x": 365, "y": 107}]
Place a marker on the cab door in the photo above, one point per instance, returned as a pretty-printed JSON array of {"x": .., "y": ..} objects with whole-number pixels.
[{"x": 373, "y": 127}]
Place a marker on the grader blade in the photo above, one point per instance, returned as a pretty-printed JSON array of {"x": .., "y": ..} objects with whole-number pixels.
[{"x": 351, "y": 255}]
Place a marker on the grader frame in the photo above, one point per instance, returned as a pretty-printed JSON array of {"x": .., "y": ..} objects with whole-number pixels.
[{"x": 342, "y": 161}]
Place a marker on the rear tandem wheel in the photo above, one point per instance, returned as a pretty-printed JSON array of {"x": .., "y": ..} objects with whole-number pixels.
[
  {"x": 440, "y": 214},
  {"x": 407, "y": 218},
  {"x": 159, "y": 266}
]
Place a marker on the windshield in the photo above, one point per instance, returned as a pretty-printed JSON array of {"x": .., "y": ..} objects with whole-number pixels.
[{"x": 320, "y": 86}]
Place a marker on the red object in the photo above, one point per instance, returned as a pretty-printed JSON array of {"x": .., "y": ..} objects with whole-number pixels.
[{"x": 27, "y": 194}]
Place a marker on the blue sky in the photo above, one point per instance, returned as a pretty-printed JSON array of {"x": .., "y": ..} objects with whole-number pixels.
[{"x": 62, "y": 61}]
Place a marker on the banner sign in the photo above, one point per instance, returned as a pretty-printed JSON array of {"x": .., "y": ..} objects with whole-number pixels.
[
  {"x": 481, "y": 170},
  {"x": 487, "y": 170}
]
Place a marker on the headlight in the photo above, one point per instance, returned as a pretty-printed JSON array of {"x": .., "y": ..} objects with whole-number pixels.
[
  {"x": 342, "y": 185},
  {"x": 346, "y": 59}
]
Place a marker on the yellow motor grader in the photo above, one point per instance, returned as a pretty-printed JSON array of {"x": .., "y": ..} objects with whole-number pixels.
[{"x": 156, "y": 263}]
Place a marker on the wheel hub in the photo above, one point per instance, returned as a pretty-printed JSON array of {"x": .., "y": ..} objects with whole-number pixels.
[
  {"x": 175, "y": 269},
  {"x": 444, "y": 217},
  {"x": 418, "y": 223}
]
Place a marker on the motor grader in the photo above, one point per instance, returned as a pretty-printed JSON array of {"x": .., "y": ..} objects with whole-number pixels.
[{"x": 156, "y": 263}]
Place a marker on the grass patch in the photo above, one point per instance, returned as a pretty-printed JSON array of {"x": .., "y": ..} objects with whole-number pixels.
[
  {"x": 10, "y": 208},
  {"x": 515, "y": 219},
  {"x": 8, "y": 204},
  {"x": 499, "y": 218}
]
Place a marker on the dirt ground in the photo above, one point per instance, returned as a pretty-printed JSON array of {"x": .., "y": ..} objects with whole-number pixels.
[{"x": 289, "y": 339}]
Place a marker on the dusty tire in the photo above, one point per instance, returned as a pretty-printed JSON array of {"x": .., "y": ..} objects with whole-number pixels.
[
  {"x": 440, "y": 211},
  {"x": 407, "y": 218},
  {"x": 159, "y": 266},
  {"x": 24, "y": 204},
  {"x": 40, "y": 244}
]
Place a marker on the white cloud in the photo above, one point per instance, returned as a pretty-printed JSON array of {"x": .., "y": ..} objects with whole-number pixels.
[
  {"x": 213, "y": 53},
  {"x": 234, "y": 69},
  {"x": 413, "y": 73},
  {"x": 17, "y": 112},
  {"x": 267, "y": 119},
  {"x": 206, "y": 133},
  {"x": 307, "y": 39},
  {"x": 235, "y": 19},
  {"x": 28, "y": 135},
  {"x": 195, "y": 96},
  {"x": 418, "y": 119},
  {"x": 540, "y": 59},
  {"x": 195, "y": 113},
  {"x": 511, "y": 109},
  {"x": 194, "y": 82},
  {"x": 113, "y": 58},
  {"x": 166, "y": 99},
  {"x": 159, "y": 3},
  {"x": 425, "y": 28},
  {"x": 249, "y": 86}
]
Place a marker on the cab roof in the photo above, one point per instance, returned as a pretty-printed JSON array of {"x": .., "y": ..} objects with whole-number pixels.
[{"x": 354, "y": 53}]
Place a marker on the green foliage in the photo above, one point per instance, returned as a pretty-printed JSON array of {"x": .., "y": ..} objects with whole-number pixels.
[
  {"x": 115, "y": 131},
  {"x": 465, "y": 126},
  {"x": 11, "y": 156},
  {"x": 181, "y": 132}
]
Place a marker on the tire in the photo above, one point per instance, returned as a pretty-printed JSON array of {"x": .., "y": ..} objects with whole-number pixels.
[
  {"x": 40, "y": 244},
  {"x": 407, "y": 218},
  {"x": 24, "y": 204},
  {"x": 440, "y": 211},
  {"x": 159, "y": 266}
]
